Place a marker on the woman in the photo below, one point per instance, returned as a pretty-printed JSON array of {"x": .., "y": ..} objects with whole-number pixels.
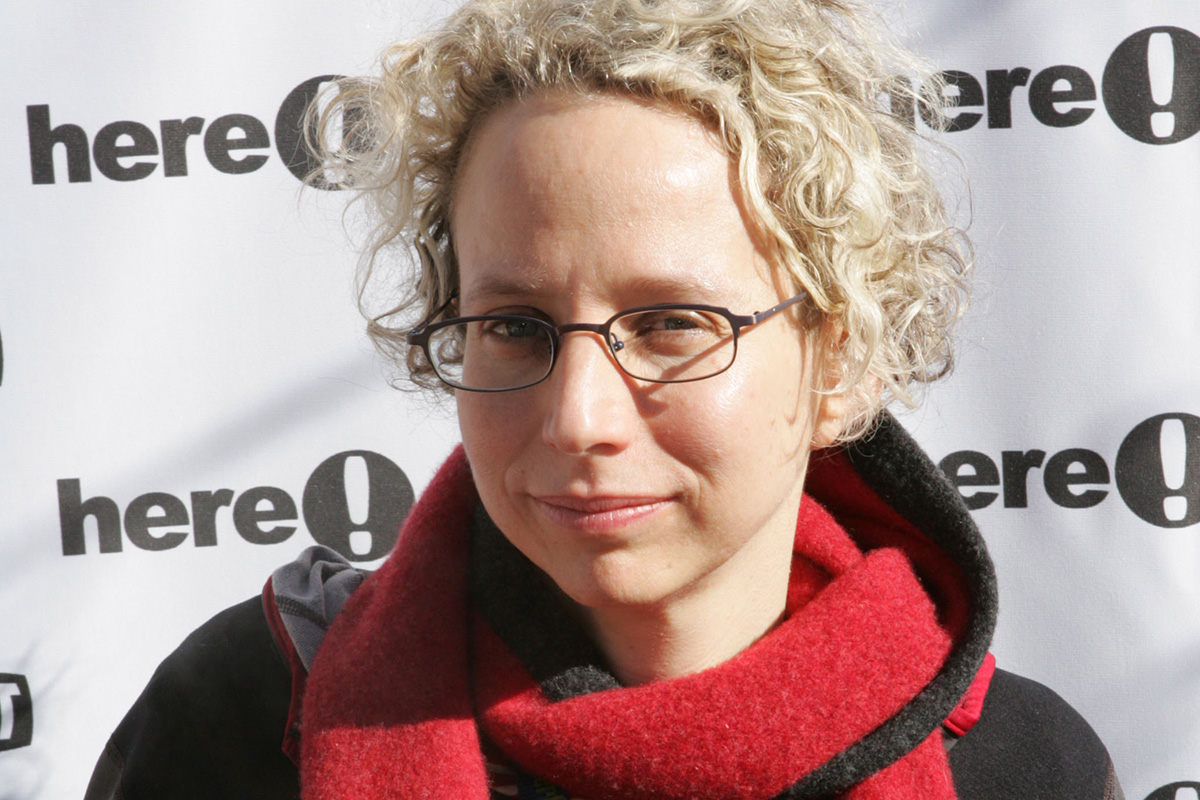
[{"x": 674, "y": 259}]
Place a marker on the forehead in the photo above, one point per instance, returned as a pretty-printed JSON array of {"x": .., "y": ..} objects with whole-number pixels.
[
  {"x": 562, "y": 187},
  {"x": 568, "y": 135}
]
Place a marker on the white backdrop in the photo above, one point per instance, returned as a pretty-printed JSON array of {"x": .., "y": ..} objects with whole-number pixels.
[{"x": 184, "y": 379}]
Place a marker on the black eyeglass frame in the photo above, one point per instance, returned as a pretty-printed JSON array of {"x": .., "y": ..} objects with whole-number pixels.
[{"x": 419, "y": 336}]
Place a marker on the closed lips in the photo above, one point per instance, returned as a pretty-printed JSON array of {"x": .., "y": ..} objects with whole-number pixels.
[{"x": 597, "y": 512}]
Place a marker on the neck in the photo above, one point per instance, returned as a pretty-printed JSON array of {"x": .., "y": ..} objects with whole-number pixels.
[{"x": 700, "y": 627}]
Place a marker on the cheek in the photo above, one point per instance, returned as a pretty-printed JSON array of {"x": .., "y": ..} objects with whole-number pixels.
[
  {"x": 738, "y": 429},
  {"x": 492, "y": 435},
  {"x": 766, "y": 403}
]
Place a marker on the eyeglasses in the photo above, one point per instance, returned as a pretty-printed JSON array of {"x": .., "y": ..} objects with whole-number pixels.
[{"x": 668, "y": 343}]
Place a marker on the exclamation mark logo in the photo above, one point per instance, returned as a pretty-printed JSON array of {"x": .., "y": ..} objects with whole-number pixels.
[
  {"x": 1158, "y": 470},
  {"x": 354, "y": 502},
  {"x": 1172, "y": 447},
  {"x": 1151, "y": 85}
]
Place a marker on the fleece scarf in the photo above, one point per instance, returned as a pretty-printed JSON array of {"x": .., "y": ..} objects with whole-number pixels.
[{"x": 458, "y": 634}]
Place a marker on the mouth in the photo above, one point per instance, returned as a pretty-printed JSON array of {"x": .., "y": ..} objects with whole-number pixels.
[{"x": 606, "y": 514}]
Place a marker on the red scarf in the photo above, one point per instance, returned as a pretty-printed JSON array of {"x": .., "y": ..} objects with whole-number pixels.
[{"x": 410, "y": 672}]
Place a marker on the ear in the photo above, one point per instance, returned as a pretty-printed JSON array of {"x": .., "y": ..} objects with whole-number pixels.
[
  {"x": 836, "y": 406},
  {"x": 830, "y": 417}
]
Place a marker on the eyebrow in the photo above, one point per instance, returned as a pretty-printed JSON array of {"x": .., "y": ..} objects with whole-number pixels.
[
  {"x": 681, "y": 286},
  {"x": 500, "y": 284}
]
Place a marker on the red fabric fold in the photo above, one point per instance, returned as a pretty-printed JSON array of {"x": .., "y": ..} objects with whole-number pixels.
[
  {"x": 970, "y": 708},
  {"x": 388, "y": 710},
  {"x": 291, "y": 734}
]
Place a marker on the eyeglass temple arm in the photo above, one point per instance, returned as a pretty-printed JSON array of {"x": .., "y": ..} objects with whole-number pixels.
[
  {"x": 762, "y": 316},
  {"x": 416, "y": 332}
]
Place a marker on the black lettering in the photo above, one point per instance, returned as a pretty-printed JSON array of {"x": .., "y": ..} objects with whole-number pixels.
[
  {"x": 204, "y": 515},
  {"x": 981, "y": 471},
  {"x": 175, "y": 133},
  {"x": 1000, "y": 85},
  {"x": 72, "y": 512},
  {"x": 289, "y": 130},
  {"x": 1016, "y": 466},
  {"x": 1171, "y": 791},
  {"x": 1043, "y": 97},
  {"x": 967, "y": 94},
  {"x": 42, "y": 139},
  {"x": 139, "y": 521},
  {"x": 1142, "y": 467},
  {"x": 327, "y": 508},
  {"x": 218, "y": 143},
  {"x": 1058, "y": 477},
  {"x": 16, "y": 712},
  {"x": 108, "y": 153},
  {"x": 247, "y": 516},
  {"x": 1129, "y": 89}
]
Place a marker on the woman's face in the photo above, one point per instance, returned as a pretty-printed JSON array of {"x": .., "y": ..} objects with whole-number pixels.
[{"x": 628, "y": 493}]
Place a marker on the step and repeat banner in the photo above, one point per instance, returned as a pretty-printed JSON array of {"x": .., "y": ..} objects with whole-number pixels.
[{"x": 187, "y": 398}]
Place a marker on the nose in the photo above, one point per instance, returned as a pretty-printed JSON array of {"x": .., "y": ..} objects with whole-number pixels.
[{"x": 592, "y": 410}]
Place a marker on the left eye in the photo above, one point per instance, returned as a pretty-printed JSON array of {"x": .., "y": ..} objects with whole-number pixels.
[
  {"x": 680, "y": 323},
  {"x": 649, "y": 323},
  {"x": 510, "y": 327},
  {"x": 517, "y": 328}
]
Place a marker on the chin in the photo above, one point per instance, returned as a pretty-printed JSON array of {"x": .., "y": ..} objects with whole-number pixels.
[{"x": 612, "y": 582}]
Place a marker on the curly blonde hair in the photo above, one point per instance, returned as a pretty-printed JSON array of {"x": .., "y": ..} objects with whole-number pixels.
[{"x": 800, "y": 92}]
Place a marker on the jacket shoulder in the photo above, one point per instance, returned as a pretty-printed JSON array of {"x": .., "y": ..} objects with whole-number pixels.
[
  {"x": 210, "y": 722},
  {"x": 1029, "y": 742},
  {"x": 220, "y": 716}
]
